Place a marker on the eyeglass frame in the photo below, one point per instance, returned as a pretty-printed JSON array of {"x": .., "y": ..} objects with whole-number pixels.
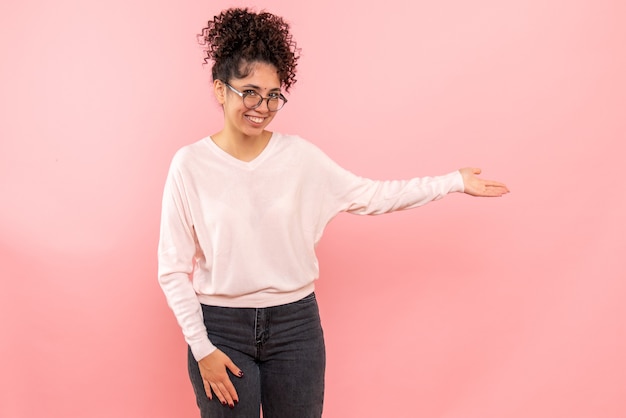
[{"x": 243, "y": 96}]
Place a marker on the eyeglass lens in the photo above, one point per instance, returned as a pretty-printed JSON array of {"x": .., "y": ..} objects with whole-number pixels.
[{"x": 253, "y": 100}]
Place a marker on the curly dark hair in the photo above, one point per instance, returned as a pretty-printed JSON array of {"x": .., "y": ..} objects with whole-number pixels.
[{"x": 237, "y": 38}]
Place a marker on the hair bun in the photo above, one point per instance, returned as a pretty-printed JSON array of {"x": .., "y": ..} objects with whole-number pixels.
[{"x": 238, "y": 36}]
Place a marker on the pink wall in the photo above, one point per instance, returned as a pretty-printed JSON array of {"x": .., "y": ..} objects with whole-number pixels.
[{"x": 467, "y": 308}]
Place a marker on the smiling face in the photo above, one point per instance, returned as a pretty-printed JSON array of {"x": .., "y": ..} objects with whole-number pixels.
[{"x": 238, "y": 119}]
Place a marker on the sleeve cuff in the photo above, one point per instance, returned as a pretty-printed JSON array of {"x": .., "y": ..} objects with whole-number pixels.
[
  {"x": 458, "y": 185},
  {"x": 201, "y": 350}
]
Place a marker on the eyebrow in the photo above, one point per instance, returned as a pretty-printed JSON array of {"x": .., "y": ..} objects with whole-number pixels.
[{"x": 259, "y": 88}]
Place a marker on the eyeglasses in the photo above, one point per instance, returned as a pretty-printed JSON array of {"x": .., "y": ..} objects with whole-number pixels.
[{"x": 252, "y": 99}]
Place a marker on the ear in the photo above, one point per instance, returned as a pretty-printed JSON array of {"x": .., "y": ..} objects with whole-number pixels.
[{"x": 219, "y": 89}]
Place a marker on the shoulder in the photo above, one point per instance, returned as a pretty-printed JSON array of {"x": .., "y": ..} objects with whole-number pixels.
[
  {"x": 297, "y": 145},
  {"x": 190, "y": 153}
]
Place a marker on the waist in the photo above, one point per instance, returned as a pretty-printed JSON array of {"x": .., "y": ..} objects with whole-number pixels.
[{"x": 264, "y": 298}]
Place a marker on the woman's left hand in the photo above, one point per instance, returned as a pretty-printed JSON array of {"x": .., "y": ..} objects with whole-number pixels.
[{"x": 475, "y": 186}]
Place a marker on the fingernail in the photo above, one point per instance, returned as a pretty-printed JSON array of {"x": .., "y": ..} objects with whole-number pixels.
[
  {"x": 240, "y": 374},
  {"x": 224, "y": 403},
  {"x": 231, "y": 406}
]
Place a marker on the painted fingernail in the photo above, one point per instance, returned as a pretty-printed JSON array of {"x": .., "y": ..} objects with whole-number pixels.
[
  {"x": 231, "y": 406},
  {"x": 240, "y": 374}
]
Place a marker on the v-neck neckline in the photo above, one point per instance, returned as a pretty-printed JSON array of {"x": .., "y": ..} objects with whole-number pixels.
[{"x": 241, "y": 163}]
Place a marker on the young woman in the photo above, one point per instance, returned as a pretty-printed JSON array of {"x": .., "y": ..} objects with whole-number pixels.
[{"x": 243, "y": 210}]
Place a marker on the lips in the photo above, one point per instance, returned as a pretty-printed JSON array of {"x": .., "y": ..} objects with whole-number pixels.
[{"x": 255, "y": 119}]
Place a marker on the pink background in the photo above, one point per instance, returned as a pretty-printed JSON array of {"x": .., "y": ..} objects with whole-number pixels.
[{"x": 466, "y": 308}]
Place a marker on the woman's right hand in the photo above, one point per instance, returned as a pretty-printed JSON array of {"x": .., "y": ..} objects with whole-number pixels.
[{"x": 213, "y": 369}]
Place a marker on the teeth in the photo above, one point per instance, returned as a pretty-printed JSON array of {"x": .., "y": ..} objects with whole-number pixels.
[{"x": 255, "y": 120}]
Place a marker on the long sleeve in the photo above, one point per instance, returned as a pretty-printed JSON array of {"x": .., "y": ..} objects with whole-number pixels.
[
  {"x": 177, "y": 248},
  {"x": 350, "y": 193},
  {"x": 369, "y": 197}
]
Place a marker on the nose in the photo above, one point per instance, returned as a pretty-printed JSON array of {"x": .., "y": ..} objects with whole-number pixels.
[{"x": 264, "y": 106}]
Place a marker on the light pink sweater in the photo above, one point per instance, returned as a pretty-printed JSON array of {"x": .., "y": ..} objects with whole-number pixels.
[{"x": 243, "y": 234}]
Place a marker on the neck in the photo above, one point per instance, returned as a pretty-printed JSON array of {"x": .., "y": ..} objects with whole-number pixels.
[{"x": 243, "y": 147}]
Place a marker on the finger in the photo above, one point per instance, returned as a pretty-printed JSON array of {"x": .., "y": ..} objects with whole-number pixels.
[
  {"x": 476, "y": 170},
  {"x": 229, "y": 392},
  {"x": 207, "y": 389},
  {"x": 234, "y": 369},
  {"x": 495, "y": 191},
  {"x": 221, "y": 394},
  {"x": 501, "y": 189},
  {"x": 489, "y": 186},
  {"x": 492, "y": 183}
]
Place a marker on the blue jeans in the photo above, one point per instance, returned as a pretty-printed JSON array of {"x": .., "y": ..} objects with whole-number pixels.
[{"x": 281, "y": 352}]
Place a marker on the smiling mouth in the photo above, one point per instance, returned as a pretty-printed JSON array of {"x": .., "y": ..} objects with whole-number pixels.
[{"x": 255, "y": 119}]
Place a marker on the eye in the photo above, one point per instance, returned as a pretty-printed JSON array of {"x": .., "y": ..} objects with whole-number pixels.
[
  {"x": 275, "y": 95},
  {"x": 251, "y": 93}
]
